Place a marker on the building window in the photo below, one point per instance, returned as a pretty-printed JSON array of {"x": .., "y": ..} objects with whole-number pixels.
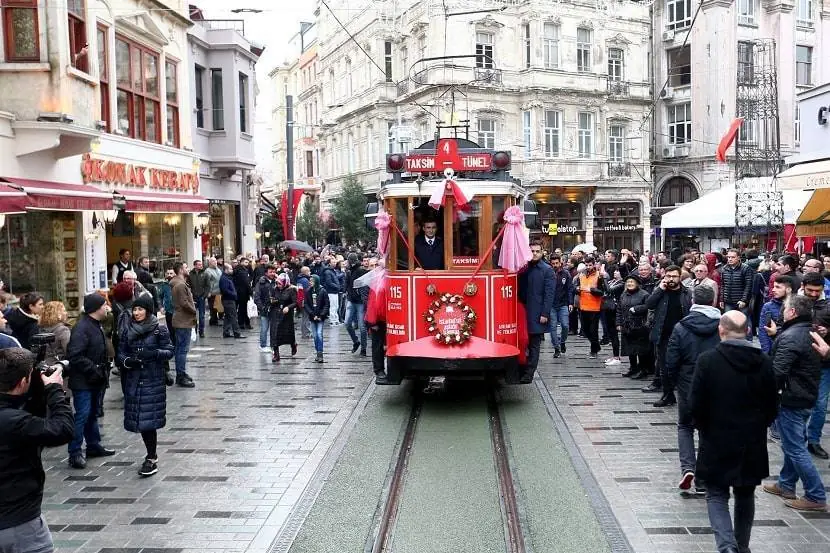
[
  {"x": 617, "y": 225},
  {"x": 422, "y": 46},
  {"x": 797, "y": 125},
  {"x": 746, "y": 63},
  {"x": 748, "y": 132},
  {"x": 172, "y": 84},
  {"x": 615, "y": 64},
  {"x": 387, "y": 60},
  {"x": 484, "y": 50},
  {"x": 803, "y": 65},
  {"x": 616, "y": 143},
  {"x": 804, "y": 13},
  {"x": 20, "y": 30},
  {"x": 680, "y": 66},
  {"x": 551, "y": 46},
  {"x": 390, "y": 137},
  {"x": 349, "y": 80},
  {"x": 679, "y": 14},
  {"x": 677, "y": 191},
  {"x": 487, "y": 133},
  {"x": 526, "y": 40},
  {"x": 553, "y": 133},
  {"x": 243, "y": 102},
  {"x": 138, "y": 102},
  {"x": 200, "y": 96},
  {"x": 104, "y": 75},
  {"x": 746, "y": 12},
  {"x": 583, "y": 50},
  {"x": 217, "y": 99},
  {"x": 309, "y": 163},
  {"x": 526, "y": 133},
  {"x": 680, "y": 123},
  {"x": 78, "y": 48},
  {"x": 585, "y": 134}
]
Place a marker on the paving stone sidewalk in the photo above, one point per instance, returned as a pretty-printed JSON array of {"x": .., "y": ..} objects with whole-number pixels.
[
  {"x": 631, "y": 448},
  {"x": 236, "y": 454}
]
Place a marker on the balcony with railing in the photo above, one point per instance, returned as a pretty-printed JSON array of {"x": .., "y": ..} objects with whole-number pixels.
[
  {"x": 619, "y": 89},
  {"x": 586, "y": 172}
]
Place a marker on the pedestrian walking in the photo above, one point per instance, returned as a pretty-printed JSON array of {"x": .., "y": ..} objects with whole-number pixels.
[
  {"x": 563, "y": 304},
  {"x": 632, "y": 322},
  {"x": 591, "y": 288},
  {"x": 283, "y": 304},
  {"x": 227, "y": 287},
  {"x": 331, "y": 282},
  {"x": 733, "y": 399},
  {"x": 214, "y": 303},
  {"x": 184, "y": 321},
  {"x": 771, "y": 311},
  {"x": 317, "y": 307},
  {"x": 88, "y": 371},
  {"x": 242, "y": 284},
  {"x": 696, "y": 333},
  {"x": 376, "y": 321},
  {"x": 670, "y": 302},
  {"x": 262, "y": 298},
  {"x": 304, "y": 285},
  {"x": 355, "y": 308},
  {"x": 537, "y": 288},
  {"x": 200, "y": 286},
  {"x": 797, "y": 370},
  {"x": 145, "y": 346}
]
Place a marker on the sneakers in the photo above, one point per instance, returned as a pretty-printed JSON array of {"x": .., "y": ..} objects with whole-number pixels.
[
  {"x": 652, "y": 389},
  {"x": 686, "y": 481},
  {"x": 612, "y": 361},
  {"x": 319, "y": 357},
  {"x": 148, "y": 468},
  {"x": 775, "y": 490},
  {"x": 556, "y": 353},
  {"x": 265, "y": 349},
  {"x": 804, "y": 504},
  {"x": 592, "y": 356}
]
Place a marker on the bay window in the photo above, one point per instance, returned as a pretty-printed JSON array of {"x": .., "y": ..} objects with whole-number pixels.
[
  {"x": 20, "y": 30},
  {"x": 104, "y": 75},
  {"x": 243, "y": 103},
  {"x": 78, "y": 49},
  {"x": 218, "y": 99},
  {"x": 172, "y": 85},
  {"x": 137, "y": 80}
]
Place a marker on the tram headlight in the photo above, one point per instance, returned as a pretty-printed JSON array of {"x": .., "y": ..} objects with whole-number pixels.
[
  {"x": 501, "y": 161},
  {"x": 394, "y": 163}
]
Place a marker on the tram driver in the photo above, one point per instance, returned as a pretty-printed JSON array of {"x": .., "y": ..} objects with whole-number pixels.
[{"x": 429, "y": 247}]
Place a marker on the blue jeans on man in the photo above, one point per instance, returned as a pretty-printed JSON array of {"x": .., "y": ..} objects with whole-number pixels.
[
  {"x": 798, "y": 464},
  {"x": 86, "y": 423},
  {"x": 182, "y": 347},
  {"x": 317, "y": 332},
  {"x": 200, "y": 309},
  {"x": 354, "y": 316},
  {"x": 264, "y": 326},
  {"x": 819, "y": 414},
  {"x": 562, "y": 316}
]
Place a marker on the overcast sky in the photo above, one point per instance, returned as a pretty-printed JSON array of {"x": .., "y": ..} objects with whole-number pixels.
[{"x": 279, "y": 21}]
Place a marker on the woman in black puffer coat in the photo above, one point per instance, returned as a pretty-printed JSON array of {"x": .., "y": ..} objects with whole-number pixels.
[
  {"x": 144, "y": 346},
  {"x": 632, "y": 315}
]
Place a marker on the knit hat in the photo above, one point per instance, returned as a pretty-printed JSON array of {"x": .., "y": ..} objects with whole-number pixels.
[
  {"x": 93, "y": 302},
  {"x": 122, "y": 292},
  {"x": 145, "y": 301}
]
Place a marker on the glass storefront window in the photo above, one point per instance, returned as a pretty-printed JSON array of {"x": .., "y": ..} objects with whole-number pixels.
[
  {"x": 618, "y": 226},
  {"x": 221, "y": 238},
  {"x": 39, "y": 253},
  {"x": 568, "y": 220},
  {"x": 154, "y": 235},
  {"x": 465, "y": 228}
]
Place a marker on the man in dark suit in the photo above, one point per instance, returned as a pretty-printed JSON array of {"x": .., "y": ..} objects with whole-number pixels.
[
  {"x": 537, "y": 288},
  {"x": 429, "y": 248}
]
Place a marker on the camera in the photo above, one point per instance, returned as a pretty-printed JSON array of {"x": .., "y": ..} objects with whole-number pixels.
[{"x": 36, "y": 403}]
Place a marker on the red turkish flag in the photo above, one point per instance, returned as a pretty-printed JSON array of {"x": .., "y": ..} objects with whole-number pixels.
[{"x": 728, "y": 139}]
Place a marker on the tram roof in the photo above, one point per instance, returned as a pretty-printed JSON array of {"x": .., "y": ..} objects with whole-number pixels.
[{"x": 481, "y": 187}]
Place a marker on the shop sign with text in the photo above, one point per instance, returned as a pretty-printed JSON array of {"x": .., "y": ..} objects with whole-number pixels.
[
  {"x": 120, "y": 173},
  {"x": 620, "y": 228}
]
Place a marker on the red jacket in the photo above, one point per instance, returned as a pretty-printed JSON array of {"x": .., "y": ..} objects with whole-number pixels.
[{"x": 376, "y": 306}]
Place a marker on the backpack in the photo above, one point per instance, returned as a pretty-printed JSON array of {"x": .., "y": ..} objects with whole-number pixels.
[{"x": 300, "y": 296}]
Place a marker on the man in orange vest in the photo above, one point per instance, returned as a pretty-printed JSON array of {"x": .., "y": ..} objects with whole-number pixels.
[{"x": 591, "y": 288}]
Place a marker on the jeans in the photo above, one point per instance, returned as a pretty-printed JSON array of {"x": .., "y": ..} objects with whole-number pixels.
[
  {"x": 305, "y": 324},
  {"x": 660, "y": 368},
  {"x": 609, "y": 318},
  {"x": 230, "y": 325},
  {"x": 562, "y": 316},
  {"x": 30, "y": 537},
  {"x": 317, "y": 332},
  {"x": 356, "y": 310},
  {"x": 86, "y": 424},
  {"x": 379, "y": 348},
  {"x": 264, "y": 323},
  {"x": 819, "y": 414},
  {"x": 685, "y": 430},
  {"x": 182, "y": 347},
  {"x": 334, "y": 309},
  {"x": 533, "y": 346},
  {"x": 590, "y": 327},
  {"x": 717, "y": 502},
  {"x": 200, "y": 309},
  {"x": 798, "y": 465}
]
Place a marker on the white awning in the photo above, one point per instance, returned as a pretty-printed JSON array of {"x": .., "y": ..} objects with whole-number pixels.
[
  {"x": 717, "y": 210},
  {"x": 806, "y": 176}
]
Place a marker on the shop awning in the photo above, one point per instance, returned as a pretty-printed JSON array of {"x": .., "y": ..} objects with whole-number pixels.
[
  {"x": 717, "y": 210},
  {"x": 12, "y": 200},
  {"x": 150, "y": 202},
  {"x": 59, "y": 196},
  {"x": 815, "y": 174},
  {"x": 815, "y": 217}
]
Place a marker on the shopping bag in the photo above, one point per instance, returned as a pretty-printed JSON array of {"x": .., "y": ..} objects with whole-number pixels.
[
  {"x": 193, "y": 336},
  {"x": 217, "y": 304},
  {"x": 252, "y": 310}
]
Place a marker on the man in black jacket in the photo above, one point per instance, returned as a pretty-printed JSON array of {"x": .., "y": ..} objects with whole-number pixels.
[
  {"x": 88, "y": 372},
  {"x": 355, "y": 308},
  {"x": 670, "y": 302},
  {"x": 736, "y": 283},
  {"x": 429, "y": 248},
  {"x": 200, "y": 287},
  {"x": 797, "y": 370},
  {"x": 696, "y": 333},
  {"x": 22, "y": 437}
]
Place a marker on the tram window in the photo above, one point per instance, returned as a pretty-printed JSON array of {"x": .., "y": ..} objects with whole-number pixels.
[
  {"x": 499, "y": 207},
  {"x": 465, "y": 229},
  {"x": 423, "y": 214},
  {"x": 402, "y": 221}
]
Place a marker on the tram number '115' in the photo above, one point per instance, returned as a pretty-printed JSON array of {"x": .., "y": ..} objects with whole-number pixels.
[
  {"x": 506, "y": 292},
  {"x": 396, "y": 292}
]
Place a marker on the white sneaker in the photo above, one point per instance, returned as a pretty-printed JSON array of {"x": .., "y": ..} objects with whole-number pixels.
[
  {"x": 265, "y": 350},
  {"x": 612, "y": 362}
]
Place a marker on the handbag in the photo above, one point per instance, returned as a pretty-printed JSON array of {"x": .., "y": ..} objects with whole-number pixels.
[{"x": 253, "y": 312}]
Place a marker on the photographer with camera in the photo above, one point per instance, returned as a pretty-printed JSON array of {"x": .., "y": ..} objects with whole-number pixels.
[
  {"x": 88, "y": 375},
  {"x": 22, "y": 438}
]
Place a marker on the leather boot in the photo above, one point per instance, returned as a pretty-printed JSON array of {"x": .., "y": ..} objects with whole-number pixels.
[
  {"x": 667, "y": 400},
  {"x": 276, "y": 356}
]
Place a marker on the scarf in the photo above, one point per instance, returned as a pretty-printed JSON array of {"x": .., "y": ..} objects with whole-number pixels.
[
  {"x": 137, "y": 330},
  {"x": 283, "y": 280}
]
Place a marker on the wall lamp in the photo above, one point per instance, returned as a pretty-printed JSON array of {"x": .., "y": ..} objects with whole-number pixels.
[
  {"x": 108, "y": 217},
  {"x": 202, "y": 221}
]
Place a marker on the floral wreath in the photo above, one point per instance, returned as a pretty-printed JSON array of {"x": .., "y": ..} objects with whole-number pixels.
[{"x": 468, "y": 320}]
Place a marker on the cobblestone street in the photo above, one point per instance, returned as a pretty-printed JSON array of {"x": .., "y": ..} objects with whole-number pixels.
[{"x": 239, "y": 450}]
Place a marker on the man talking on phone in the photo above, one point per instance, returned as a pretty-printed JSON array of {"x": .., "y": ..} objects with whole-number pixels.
[{"x": 22, "y": 438}]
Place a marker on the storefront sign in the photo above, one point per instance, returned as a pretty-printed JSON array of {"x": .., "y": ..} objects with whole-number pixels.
[
  {"x": 620, "y": 228},
  {"x": 554, "y": 229},
  {"x": 823, "y": 115},
  {"x": 137, "y": 176},
  {"x": 465, "y": 260}
]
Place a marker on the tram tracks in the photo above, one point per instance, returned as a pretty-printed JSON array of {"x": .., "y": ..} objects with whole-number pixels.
[{"x": 396, "y": 489}]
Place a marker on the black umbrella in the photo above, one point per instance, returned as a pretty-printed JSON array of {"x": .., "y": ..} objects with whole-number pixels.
[{"x": 296, "y": 245}]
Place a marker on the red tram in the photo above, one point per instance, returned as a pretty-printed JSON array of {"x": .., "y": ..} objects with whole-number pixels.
[{"x": 454, "y": 313}]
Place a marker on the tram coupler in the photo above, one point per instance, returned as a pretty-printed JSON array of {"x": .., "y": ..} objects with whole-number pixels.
[{"x": 436, "y": 384}]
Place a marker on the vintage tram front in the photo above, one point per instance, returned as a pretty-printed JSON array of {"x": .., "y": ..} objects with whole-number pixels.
[{"x": 454, "y": 313}]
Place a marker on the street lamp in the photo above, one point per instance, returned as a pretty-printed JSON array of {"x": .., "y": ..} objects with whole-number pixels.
[{"x": 202, "y": 221}]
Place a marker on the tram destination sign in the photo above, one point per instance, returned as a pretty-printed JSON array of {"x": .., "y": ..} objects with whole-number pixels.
[{"x": 427, "y": 163}]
